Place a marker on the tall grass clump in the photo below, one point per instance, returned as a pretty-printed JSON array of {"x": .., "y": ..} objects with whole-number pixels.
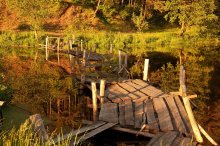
[{"x": 25, "y": 136}]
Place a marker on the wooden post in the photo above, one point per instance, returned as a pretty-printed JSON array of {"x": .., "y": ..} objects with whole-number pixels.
[
  {"x": 188, "y": 106},
  {"x": 126, "y": 60},
  {"x": 119, "y": 57},
  {"x": 81, "y": 45},
  {"x": 58, "y": 105},
  {"x": 46, "y": 48},
  {"x": 111, "y": 49},
  {"x": 84, "y": 58},
  {"x": 69, "y": 105},
  {"x": 58, "y": 50},
  {"x": 94, "y": 101},
  {"x": 102, "y": 91},
  {"x": 146, "y": 64},
  {"x": 50, "y": 106}
]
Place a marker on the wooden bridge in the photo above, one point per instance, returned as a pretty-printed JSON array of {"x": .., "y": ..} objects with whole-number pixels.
[{"x": 136, "y": 107}]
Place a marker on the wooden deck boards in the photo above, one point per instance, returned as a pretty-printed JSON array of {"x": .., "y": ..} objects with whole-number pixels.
[{"x": 109, "y": 112}]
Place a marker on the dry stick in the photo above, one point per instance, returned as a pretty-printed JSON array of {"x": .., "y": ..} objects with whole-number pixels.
[
  {"x": 94, "y": 101},
  {"x": 102, "y": 91},
  {"x": 46, "y": 48},
  {"x": 58, "y": 50},
  {"x": 111, "y": 50},
  {"x": 207, "y": 135},
  {"x": 146, "y": 64},
  {"x": 188, "y": 106},
  {"x": 81, "y": 45}
]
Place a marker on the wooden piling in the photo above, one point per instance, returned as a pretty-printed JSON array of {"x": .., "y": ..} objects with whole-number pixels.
[
  {"x": 58, "y": 50},
  {"x": 46, "y": 48},
  {"x": 126, "y": 60},
  {"x": 94, "y": 102},
  {"x": 188, "y": 106},
  {"x": 119, "y": 59},
  {"x": 111, "y": 48},
  {"x": 102, "y": 91},
  {"x": 84, "y": 58},
  {"x": 81, "y": 45},
  {"x": 146, "y": 65}
]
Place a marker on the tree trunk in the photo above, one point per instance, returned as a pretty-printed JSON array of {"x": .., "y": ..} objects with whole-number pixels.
[{"x": 97, "y": 8}]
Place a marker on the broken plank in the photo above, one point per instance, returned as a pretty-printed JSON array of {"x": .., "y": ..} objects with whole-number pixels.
[
  {"x": 109, "y": 112},
  {"x": 151, "y": 117},
  {"x": 183, "y": 114},
  {"x": 163, "y": 114},
  {"x": 96, "y": 131},
  {"x": 118, "y": 128},
  {"x": 177, "y": 120},
  {"x": 166, "y": 140},
  {"x": 79, "y": 131},
  {"x": 131, "y": 91},
  {"x": 138, "y": 114}
]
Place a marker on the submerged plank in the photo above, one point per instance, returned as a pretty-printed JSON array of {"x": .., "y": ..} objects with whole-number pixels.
[
  {"x": 79, "y": 131},
  {"x": 96, "y": 131},
  {"x": 177, "y": 120},
  {"x": 163, "y": 114},
  {"x": 151, "y": 117},
  {"x": 183, "y": 114},
  {"x": 109, "y": 112}
]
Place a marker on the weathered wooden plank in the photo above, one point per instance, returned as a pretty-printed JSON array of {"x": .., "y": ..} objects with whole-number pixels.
[
  {"x": 167, "y": 139},
  {"x": 151, "y": 118},
  {"x": 138, "y": 114},
  {"x": 155, "y": 139},
  {"x": 79, "y": 131},
  {"x": 109, "y": 112},
  {"x": 96, "y": 131},
  {"x": 133, "y": 131},
  {"x": 177, "y": 120},
  {"x": 163, "y": 114},
  {"x": 177, "y": 142},
  {"x": 183, "y": 114},
  {"x": 122, "y": 114},
  {"x": 129, "y": 113}
]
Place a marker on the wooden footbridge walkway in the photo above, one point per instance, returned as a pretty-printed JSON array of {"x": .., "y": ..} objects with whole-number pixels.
[{"x": 135, "y": 106}]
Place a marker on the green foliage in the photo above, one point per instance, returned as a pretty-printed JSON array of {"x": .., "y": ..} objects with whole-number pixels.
[
  {"x": 140, "y": 23},
  {"x": 191, "y": 13}
]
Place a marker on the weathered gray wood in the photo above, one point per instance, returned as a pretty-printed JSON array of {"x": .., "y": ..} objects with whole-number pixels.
[
  {"x": 122, "y": 114},
  {"x": 79, "y": 131},
  {"x": 102, "y": 91},
  {"x": 94, "y": 101},
  {"x": 151, "y": 118},
  {"x": 183, "y": 114},
  {"x": 138, "y": 114},
  {"x": 163, "y": 114},
  {"x": 129, "y": 113},
  {"x": 146, "y": 64},
  {"x": 177, "y": 120},
  {"x": 109, "y": 112},
  {"x": 166, "y": 140},
  {"x": 177, "y": 141},
  {"x": 132, "y": 131},
  {"x": 155, "y": 139},
  {"x": 96, "y": 131},
  {"x": 126, "y": 89}
]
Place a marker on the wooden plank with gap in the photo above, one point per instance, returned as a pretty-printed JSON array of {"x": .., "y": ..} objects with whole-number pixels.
[
  {"x": 163, "y": 114},
  {"x": 129, "y": 113},
  {"x": 166, "y": 139},
  {"x": 138, "y": 114},
  {"x": 151, "y": 117},
  {"x": 183, "y": 114},
  {"x": 109, "y": 112},
  {"x": 79, "y": 131},
  {"x": 177, "y": 120},
  {"x": 96, "y": 131}
]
